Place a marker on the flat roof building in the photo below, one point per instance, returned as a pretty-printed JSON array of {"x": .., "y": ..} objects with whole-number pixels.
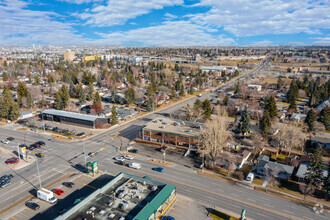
[
  {"x": 167, "y": 131},
  {"x": 73, "y": 118},
  {"x": 125, "y": 197}
]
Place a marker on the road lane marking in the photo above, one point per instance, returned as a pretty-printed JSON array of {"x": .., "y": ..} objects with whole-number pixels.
[
  {"x": 287, "y": 211},
  {"x": 224, "y": 196},
  {"x": 251, "y": 200}
]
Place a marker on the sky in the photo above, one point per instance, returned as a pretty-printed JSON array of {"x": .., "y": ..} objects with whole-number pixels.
[{"x": 165, "y": 22}]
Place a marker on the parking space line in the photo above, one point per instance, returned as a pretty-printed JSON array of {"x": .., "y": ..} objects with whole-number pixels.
[
  {"x": 13, "y": 217},
  {"x": 181, "y": 205},
  {"x": 177, "y": 209},
  {"x": 23, "y": 214},
  {"x": 184, "y": 201},
  {"x": 174, "y": 214},
  {"x": 31, "y": 210}
]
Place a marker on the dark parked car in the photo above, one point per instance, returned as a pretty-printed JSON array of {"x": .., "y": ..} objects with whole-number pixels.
[
  {"x": 68, "y": 184},
  {"x": 6, "y": 177},
  {"x": 11, "y": 138},
  {"x": 81, "y": 134},
  {"x": 41, "y": 143},
  {"x": 61, "y": 211},
  {"x": 120, "y": 162},
  {"x": 133, "y": 151},
  {"x": 23, "y": 145},
  {"x": 32, "y": 205},
  {"x": 5, "y": 184}
]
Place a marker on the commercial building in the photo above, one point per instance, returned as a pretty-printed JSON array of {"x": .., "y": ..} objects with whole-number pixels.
[
  {"x": 83, "y": 120},
  {"x": 69, "y": 56},
  {"x": 90, "y": 58},
  {"x": 168, "y": 131},
  {"x": 125, "y": 197}
]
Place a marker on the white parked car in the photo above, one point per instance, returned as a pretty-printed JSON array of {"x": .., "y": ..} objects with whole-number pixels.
[
  {"x": 199, "y": 95},
  {"x": 128, "y": 157},
  {"x": 135, "y": 165},
  {"x": 119, "y": 158},
  {"x": 5, "y": 141},
  {"x": 111, "y": 215},
  {"x": 249, "y": 178}
]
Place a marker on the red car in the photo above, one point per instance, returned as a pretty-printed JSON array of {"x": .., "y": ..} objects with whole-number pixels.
[
  {"x": 12, "y": 160},
  {"x": 58, "y": 191}
]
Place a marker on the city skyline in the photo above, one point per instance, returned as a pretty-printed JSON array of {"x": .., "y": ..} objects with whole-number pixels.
[{"x": 165, "y": 22}]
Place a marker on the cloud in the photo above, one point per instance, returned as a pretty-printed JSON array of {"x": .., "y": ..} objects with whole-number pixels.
[
  {"x": 79, "y": 1},
  {"x": 169, "y": 33},
  {"x": 322, "y": 41},
  {"x": 262, "y": 43},
  {"x": 170, "y": 16},
  {"x": 23, "y": 26},
  {"x": 248, "y": 17},
  {"x": 117, "y": 12}
]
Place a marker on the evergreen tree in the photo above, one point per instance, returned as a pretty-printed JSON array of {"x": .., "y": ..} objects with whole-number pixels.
[
  {"x": 8, "y": 108},
  {"x": 265, "y": 123},
  {"x": 72, "y": 90},
  {"x": 130, "y": 96},
  {"x": 326, "y": 186},
  {"x": 150, "y": 105},
  {"x": 4, "y": 76},
  {"x": 97, "y": 98},
  {"x": 114, "y": 117},
  {"x": 310, "y": 119},
  {"x": 271, "y": 107},
  {"x": 198, "y": 105},
  {"x": 181, "y": 90},
  {"x": 22, "y": 91},
  {"x": 279, "y": 83},
  {"x": 173, "y": 95},
  {"x": 237, "y": 87},
  {"x": 14, "y": 112},
  {"x": 292, "y": 95},
  {"x": 82, "y": 95},
  {"x": 207, "y": 109},
  {"x": 65, "y": 96},
  {"x": 225, "y": 100},
  {"x": 191, "y": 90},
  {"x": 325, "y": 117},
  {"x": 244, "y": 124},
  {"x": 314, "y": 175},
  {"x": 91, "y": 92},
  {"x": 58, "y": 101},
  {"x": 51, "y": 79},
  {"x": 29, "y": 101}
]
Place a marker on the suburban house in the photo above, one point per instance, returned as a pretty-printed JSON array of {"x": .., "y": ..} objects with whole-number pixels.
[
  {"x": 255, "y": 87},
  {"x": 264, "y": 165},
  {"x": 301, "y": 173},
  {"x": 297, "y": 117}
]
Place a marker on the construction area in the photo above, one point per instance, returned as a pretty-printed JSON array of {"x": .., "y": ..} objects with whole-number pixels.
[{"x": 125, "y": 197}]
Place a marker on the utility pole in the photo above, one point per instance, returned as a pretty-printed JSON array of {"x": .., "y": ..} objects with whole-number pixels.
[
  {"x": 203, "y": 159},
  {"x": 19, "y": 156}
]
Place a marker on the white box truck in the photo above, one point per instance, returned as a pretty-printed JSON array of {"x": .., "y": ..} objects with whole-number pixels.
[{"x": 46, "y": 195}]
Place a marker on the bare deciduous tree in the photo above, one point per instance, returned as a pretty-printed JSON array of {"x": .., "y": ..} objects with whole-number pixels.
[
  {"x": 306, "y": 190},
  {"x": 215, "y": 135},
  {"x": 289, "y": 136},
  {"x": 271, "y": 177}
]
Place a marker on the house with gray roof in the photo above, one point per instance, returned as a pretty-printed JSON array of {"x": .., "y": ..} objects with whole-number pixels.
[
  {"x": 264, "y": 166},
  {"x": 302, "y": 171}
]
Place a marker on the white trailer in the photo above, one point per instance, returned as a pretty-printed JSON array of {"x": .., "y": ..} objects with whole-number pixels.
[{"x": 46, "y": 195}]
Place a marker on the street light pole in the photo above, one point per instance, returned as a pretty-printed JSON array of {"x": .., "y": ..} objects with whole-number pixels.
[
  {"x": 203, "y": 159},
  {"x": 37, "y": 169},
  {"x": 19, "y": 156}
]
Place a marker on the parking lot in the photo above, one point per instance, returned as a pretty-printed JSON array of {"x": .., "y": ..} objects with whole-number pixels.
[
  {"x": 83, "y": 186},
  {"x": 185, "y": 208}
]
